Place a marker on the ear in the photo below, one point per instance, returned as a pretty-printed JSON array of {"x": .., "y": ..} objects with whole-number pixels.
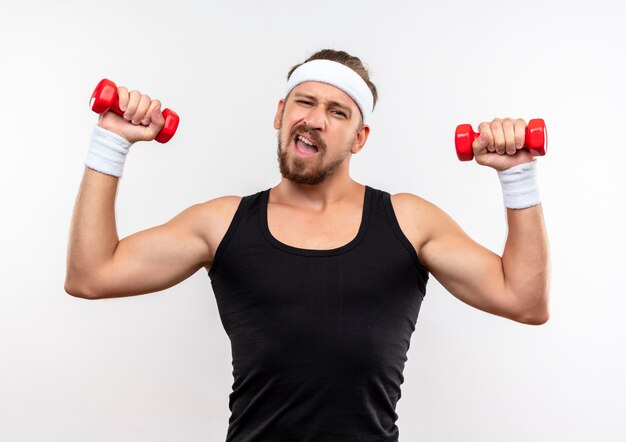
[
  {"x": 279, "y": 113},
  {"x": 360, "y": 139}
]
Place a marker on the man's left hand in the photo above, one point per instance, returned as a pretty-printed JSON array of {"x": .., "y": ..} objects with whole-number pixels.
[{"x": 500, "y": 143}]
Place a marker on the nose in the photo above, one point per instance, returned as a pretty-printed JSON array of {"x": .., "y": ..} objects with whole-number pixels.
[{"x": 316, "y": 118}]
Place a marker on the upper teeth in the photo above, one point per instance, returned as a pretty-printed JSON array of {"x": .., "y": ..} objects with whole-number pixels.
[{"x": 304, "y": 140}]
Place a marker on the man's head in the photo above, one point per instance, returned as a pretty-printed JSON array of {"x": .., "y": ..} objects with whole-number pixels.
[
  {"x": 345, "y": 59},
  {"x": 327, "y": 106}
]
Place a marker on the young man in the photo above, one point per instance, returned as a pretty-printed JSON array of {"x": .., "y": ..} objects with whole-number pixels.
[{"x": 318, "y": 280}]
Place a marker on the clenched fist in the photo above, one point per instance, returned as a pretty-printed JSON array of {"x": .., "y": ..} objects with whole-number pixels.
[
  {"x": 500, "y": 143},
  {"x": 142, "y": 119}
]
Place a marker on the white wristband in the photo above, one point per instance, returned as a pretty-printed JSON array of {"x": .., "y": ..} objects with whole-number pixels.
[
  {"x": 519, "y": 185},
  {"x": 107, "y": 152}
]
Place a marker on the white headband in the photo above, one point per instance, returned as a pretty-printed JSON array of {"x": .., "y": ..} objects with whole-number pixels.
[{"x": 338, "y": 75}]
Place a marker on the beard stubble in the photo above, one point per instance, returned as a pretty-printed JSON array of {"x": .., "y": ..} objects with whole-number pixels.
[{"x": 299, "y": 170}]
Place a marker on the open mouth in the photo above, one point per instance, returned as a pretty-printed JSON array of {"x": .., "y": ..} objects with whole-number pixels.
[{"x": 304, "y": 146}]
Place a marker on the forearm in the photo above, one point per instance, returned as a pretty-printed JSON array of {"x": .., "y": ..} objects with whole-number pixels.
[
  {"x": 525, "y": 262},
  {"x": 93, "y": 234}
]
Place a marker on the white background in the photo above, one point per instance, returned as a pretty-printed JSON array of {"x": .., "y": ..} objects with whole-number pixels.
[{"x": 158, "y": 367}]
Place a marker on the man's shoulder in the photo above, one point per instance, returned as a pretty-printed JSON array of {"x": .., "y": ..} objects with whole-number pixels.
[
  {"x": 418, "y": 217},
  {"x": 214, "y": 216},
  {"x": 219, "y": 209},
  {"x": 221, "y": 202},
  {"x": 410, "y": 202}
]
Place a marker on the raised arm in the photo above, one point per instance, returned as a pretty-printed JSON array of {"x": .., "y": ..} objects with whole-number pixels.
[
  {"x": 99, "y": 265},
  {"x": 514, "y": 285}
]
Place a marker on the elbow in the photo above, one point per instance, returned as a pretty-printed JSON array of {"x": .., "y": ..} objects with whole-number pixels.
[
  {"x": 536, "y": 316},
  {"x": 78, "y": 290},
  {"x": 538, "y": 319},
  {"x": 532, "y": 307}
]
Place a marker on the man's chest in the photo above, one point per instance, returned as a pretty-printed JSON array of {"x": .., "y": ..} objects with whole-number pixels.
[{"x": 308, "y": 230}]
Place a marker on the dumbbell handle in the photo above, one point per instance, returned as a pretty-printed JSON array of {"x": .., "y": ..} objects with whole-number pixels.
[
  {"x": 535, "y": 141},
  {"x": 105, "y": 98}
]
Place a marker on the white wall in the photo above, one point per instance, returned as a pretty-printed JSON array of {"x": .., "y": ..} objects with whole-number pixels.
[{"x": 157, "y": 367}]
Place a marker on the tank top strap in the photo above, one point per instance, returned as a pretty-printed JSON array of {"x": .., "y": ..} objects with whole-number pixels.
[{"x": 248, "y": 206}]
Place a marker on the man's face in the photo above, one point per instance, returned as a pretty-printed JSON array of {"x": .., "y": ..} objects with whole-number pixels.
[{"x": 319, "y": 127}]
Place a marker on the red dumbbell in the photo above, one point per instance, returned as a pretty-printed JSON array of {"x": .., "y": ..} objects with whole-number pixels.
[
  {"x": 536, "y": 140},
  {"x": 104, "y": 98}
]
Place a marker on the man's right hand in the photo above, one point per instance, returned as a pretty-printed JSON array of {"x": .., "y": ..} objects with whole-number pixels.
[{"x": 142, "y": 120}]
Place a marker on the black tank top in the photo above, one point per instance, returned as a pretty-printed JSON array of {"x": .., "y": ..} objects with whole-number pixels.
[{"x": 319, "y": 338}]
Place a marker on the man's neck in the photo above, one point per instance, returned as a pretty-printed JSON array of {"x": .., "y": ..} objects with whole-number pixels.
[{"x": 334, "y": 190}]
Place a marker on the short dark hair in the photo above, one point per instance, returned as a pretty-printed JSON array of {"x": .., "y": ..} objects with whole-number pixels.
[{"x": 346, "y": 59}]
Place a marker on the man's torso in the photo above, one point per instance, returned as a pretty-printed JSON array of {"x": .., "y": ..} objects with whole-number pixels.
[{"x": 317, "y": 230}]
